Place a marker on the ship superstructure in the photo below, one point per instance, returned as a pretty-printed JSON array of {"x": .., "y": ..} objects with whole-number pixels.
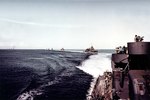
[
  {"x": 131, "y": 72},
  {"x": 130, "y": 76}
]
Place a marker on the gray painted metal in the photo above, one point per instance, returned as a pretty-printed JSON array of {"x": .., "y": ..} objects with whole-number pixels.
[
  {"x": 137, "y": 48},
  {"x": 119, "y": 58}
]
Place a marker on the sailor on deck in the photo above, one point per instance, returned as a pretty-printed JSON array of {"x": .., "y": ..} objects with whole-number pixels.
[{"x": 138, "y": 38}]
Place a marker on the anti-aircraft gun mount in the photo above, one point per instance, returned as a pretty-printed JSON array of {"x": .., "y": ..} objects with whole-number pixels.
[
  {"x": 131, "y": 72},
  {"x": 130, "y": 76}
]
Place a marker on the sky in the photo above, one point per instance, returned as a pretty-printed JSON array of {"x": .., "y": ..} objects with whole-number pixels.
[{"x": 72, "y": 24}]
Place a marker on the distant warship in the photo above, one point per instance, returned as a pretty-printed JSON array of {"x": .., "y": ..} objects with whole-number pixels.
[
  {"x": 91, "y": 50},
  {"x": 130, "y": 76}
]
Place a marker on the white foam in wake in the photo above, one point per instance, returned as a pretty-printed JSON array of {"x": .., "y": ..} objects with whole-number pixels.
[
  {"x": 34, "y": 92},
  {"x": 96, "y": 64}
]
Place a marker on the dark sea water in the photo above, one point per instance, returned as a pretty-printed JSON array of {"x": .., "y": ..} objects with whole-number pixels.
[{"x": 42, "y": 75}]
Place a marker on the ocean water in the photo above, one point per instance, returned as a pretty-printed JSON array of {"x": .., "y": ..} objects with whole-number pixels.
[
  {"x": 49, "y": 75},
  {"x": 96, "y": 65}
]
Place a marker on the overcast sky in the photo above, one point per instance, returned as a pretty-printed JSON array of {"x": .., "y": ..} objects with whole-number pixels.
[{"x": 72, "y": 24}]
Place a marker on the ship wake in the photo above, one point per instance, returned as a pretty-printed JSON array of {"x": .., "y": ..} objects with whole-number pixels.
[{"x": 96, "y": 65}]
